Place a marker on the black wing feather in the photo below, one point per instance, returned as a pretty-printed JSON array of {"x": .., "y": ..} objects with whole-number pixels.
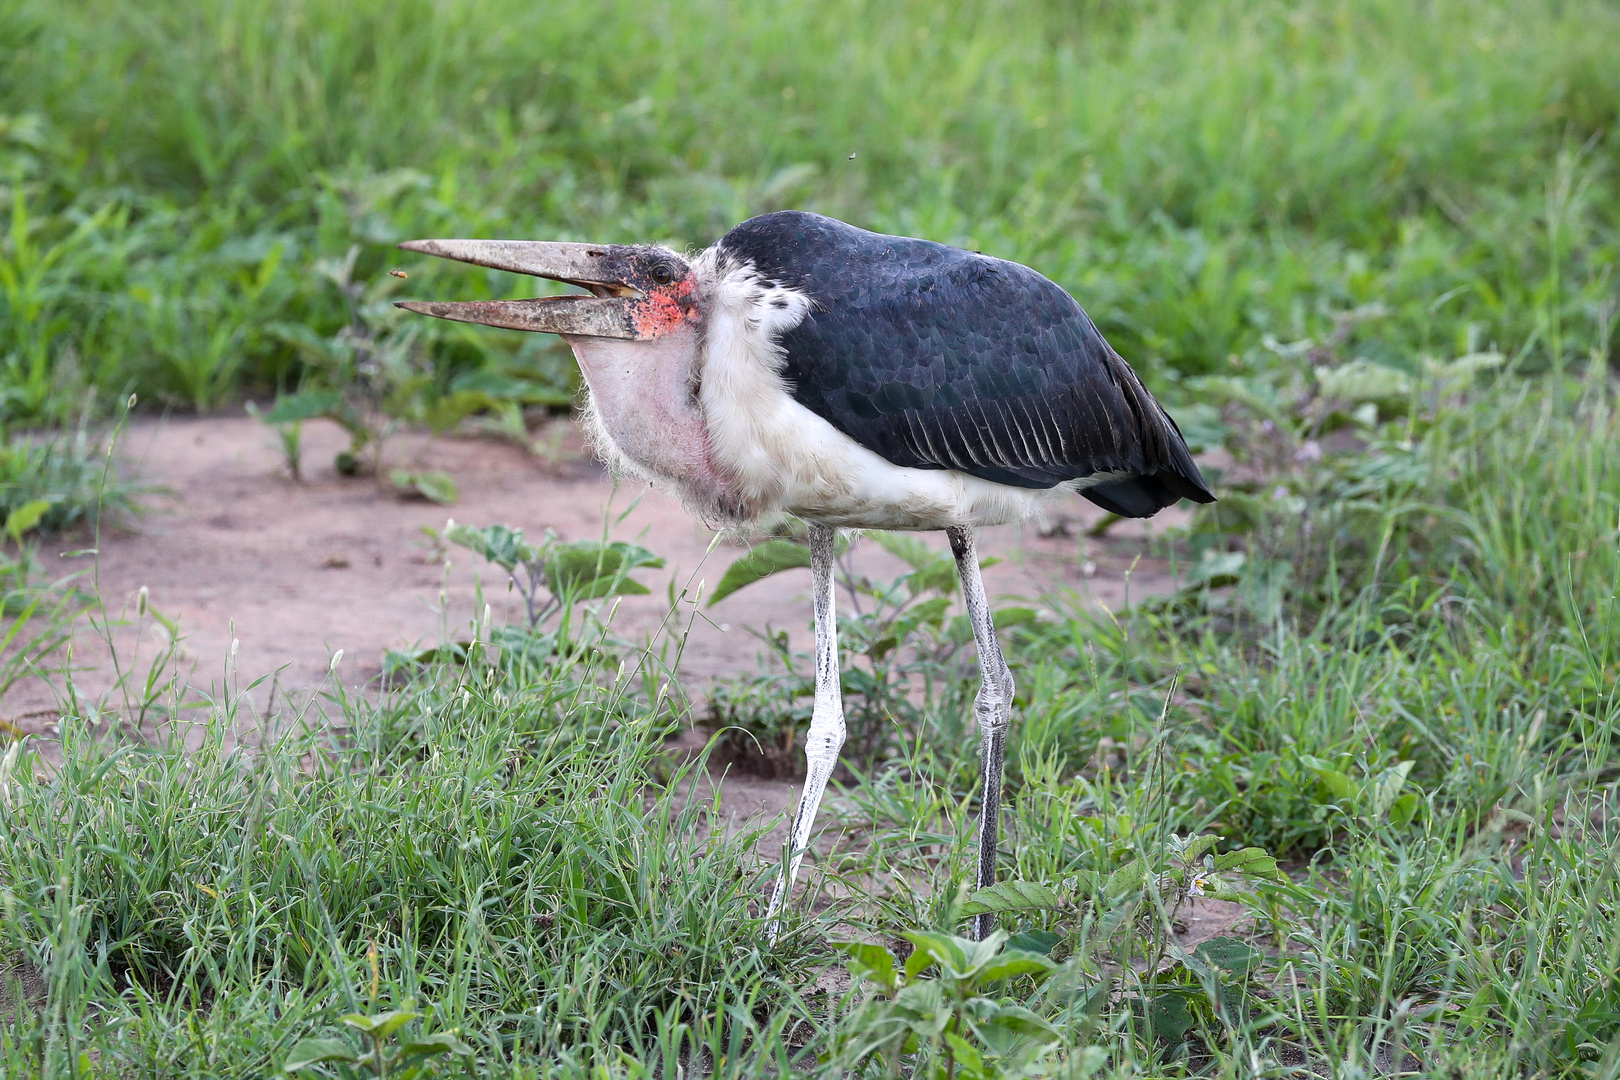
[{"x": 938, "y": 358}]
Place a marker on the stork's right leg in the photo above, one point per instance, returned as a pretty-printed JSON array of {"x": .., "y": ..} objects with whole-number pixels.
[{"x": 826, "y": 735}]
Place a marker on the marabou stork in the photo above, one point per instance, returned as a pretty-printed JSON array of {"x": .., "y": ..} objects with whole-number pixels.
[{"x": 854, "y": 380}]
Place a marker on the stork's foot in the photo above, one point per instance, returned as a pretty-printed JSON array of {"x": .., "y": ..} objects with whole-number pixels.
[{"x": 804, "y": 823}]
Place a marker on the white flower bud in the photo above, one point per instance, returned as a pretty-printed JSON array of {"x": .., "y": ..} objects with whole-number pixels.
[{"x": 337, "y": 658}]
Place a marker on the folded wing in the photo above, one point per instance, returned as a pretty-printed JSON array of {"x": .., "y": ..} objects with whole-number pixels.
[{"x": 935, "y": 357}]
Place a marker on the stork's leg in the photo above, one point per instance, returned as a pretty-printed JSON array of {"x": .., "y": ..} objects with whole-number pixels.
[
  {"x": 992, "y": 708},
  {"x": 826, "y": 735}
]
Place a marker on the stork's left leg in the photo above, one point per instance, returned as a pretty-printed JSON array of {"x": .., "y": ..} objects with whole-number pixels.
[
  {"x": 992, "y": 708},
  {"x": 826, "y": 735}
]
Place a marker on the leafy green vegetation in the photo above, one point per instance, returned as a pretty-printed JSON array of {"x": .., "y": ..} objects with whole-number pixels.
[
  {"x": 1367, "y": 251},
  {"x": 198, "y": 198},
  {"x": 1428, "y": 751}
]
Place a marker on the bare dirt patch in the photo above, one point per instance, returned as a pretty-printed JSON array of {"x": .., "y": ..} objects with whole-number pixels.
[{"x": 296, "y": 570}]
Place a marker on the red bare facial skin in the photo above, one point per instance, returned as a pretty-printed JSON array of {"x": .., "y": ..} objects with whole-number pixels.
[{"x": 666, "y": 308}]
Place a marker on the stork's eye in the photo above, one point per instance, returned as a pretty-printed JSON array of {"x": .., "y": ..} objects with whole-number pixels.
[{"x": 662, "y": 274}]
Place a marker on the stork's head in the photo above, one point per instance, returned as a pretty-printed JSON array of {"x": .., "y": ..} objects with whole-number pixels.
[
  {"x": 638, "y": 339},
  {"x": 639, "y": 292}
]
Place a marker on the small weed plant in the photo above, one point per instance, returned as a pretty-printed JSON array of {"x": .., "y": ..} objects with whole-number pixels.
[
  {"x": 953, "y": 1024},
  {"x": 386, "y": 1054}
]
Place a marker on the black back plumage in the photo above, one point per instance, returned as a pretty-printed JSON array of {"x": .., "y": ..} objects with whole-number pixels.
[{"x": 938, "y": 358}]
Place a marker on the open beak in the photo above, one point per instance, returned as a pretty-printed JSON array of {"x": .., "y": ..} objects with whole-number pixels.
[{"x": 607, "y": 313}]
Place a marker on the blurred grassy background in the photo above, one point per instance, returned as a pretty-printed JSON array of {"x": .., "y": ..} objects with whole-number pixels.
[{"x": 1205, "y": 177}]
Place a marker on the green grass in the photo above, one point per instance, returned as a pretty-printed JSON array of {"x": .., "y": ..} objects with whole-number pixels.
[
  {"x": 525, "y": 879},
  {"x": 1392, "y": 667},
  {"x": 508, "y": 846},
  {"x": 1205, "y": 177}
]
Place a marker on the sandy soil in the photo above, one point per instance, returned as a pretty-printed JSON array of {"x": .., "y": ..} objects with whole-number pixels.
[{"x": 295, "y": 571}]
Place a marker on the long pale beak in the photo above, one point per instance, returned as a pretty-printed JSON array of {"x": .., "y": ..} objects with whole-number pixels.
[{"x": 607, "y": 313}]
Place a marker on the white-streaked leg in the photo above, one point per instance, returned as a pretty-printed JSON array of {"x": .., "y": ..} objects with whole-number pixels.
[
  {"x": 826, "y": 735},
  {"x": 992, "y": 708}
]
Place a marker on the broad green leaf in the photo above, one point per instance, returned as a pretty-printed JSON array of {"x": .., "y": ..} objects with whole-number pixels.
[
  {"x": 1013, "y": 963},
  {"x": 314, "y": 1051},
  {"x": 1386, "y": 787},
  {"x": 305, "y": 405},
  {"x": 976, "y": 954},
  {"x": 1201, "y": 425},
  {"x": 1404, "y": 809},
  {"x": 930, "y": 612},
  {"x": 500, "y": 544},
  {"x": 939, "y": 577},
  {"x": 922, "y": 1003},
  {"x": 499, "y": 386},
  {"x": 446, "y": 412},
  {"x": 328, "y": 352},
  {"x": 25, "y": 517},
  {"x": 1253, "y": 861},
  {"x": 443, "y": 1042},
  {"x": 1194, "y": 849},
  {"x": 1169, "y": 1018},
  {"x": 381, "y": 1025},
  {"x": 1083, "y": 883},
  {"x": 1338, "y": 784},
  {"x": 909, "y": 548},
  {"x": 1127, "y": 878},
  {"x": 771, "y": 557},
  {"x": 930, "y": 948},
  {"x": 1230, "y": 955},
  {"x": 439, "y": 487},
  {"x": 1216, "y": 569},
  {"x": 1235, "y": 1001},
  {"x": 965, "y": 1054},
  {"x": 1184, "y": 959},
  {"x": 1020, "y": 1021},
  {"x": 1218, "y": 889},
  {"x": 874, "y": 963},
  {"x": 590, "y": 569},
  {"x": 882, "y": 646},
  {"x": 1035, "y": 941},
  {"x": 1013, "y": 616},
  {"x": 1014, "y": 896},
  {"x": 1092, "y": 1002}
]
